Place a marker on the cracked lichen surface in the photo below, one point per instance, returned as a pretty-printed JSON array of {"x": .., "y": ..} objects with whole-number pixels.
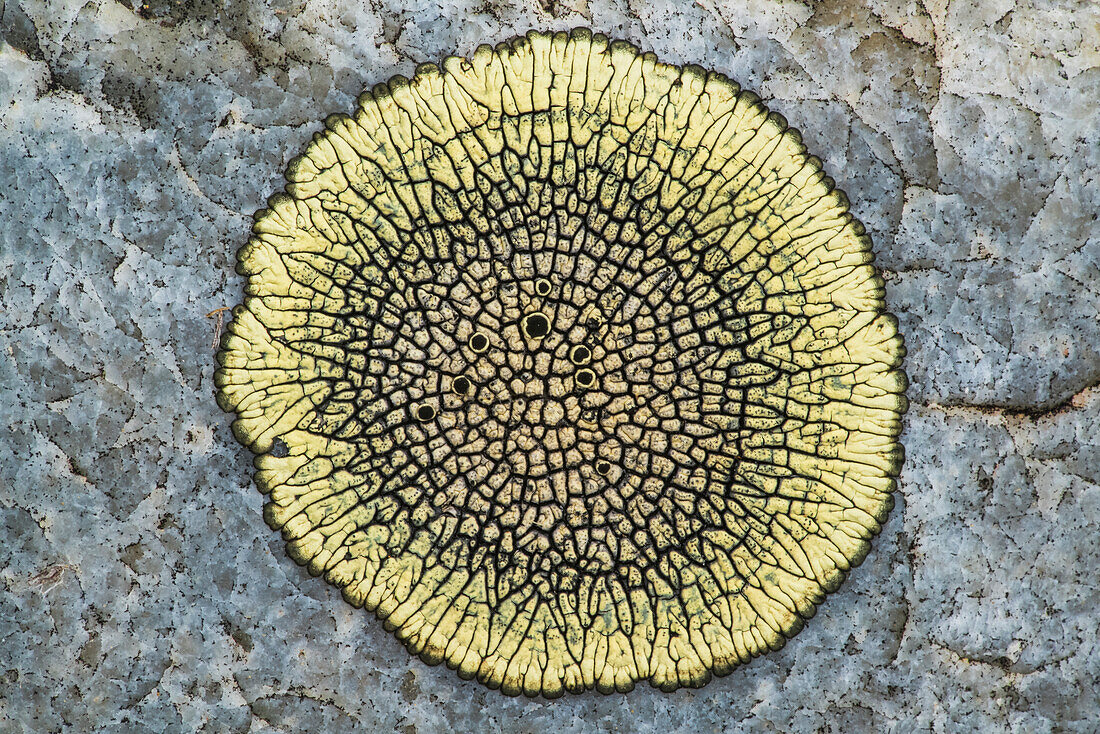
[{"x": 569, "y": 364}]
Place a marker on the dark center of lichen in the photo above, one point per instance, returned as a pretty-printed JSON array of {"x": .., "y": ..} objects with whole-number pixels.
[{"x": 596, "y": 431}]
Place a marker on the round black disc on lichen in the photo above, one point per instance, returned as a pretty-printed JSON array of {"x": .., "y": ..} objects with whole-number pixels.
[{"x": 667, "y": 502}]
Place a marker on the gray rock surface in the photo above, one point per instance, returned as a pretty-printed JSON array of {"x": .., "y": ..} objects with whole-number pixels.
[{"x": 139, "y": 587}]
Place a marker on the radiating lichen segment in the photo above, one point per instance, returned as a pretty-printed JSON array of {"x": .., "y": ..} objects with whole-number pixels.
[{"x": 579, "y": 367}]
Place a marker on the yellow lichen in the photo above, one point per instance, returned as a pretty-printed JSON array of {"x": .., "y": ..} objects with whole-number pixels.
[{"x": 579, "y": 367}]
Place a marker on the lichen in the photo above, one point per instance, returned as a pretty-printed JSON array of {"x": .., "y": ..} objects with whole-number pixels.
[{"x": 579, "y": 366}]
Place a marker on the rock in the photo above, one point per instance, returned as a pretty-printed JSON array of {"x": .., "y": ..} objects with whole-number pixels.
[{"x": 141, "y": 588}]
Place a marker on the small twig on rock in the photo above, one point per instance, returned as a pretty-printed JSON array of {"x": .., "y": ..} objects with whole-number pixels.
[
  {"x": 217, "y": 325},
  {"x": 51, "y": 576}
]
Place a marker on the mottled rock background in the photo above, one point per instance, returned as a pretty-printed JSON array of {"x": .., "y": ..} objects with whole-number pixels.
[{"x": 139, "y": 587}]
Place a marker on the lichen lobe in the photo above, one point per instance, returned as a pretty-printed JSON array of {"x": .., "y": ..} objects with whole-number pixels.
[{"x": 580, "y": 368}]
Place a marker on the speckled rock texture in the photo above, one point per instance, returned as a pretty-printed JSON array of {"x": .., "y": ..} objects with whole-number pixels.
[{"x": 140, "y": 589}]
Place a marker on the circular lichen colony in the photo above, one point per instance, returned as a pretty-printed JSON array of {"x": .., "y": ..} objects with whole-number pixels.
[{"x": 580, "y": 363}]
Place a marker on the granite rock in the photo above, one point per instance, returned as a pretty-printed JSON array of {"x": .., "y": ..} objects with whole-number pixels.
[{"x": 140, "y": 589}]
